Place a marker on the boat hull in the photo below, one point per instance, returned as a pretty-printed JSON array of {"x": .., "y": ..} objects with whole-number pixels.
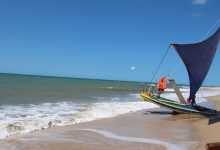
[{"x": 176, "y": 106}]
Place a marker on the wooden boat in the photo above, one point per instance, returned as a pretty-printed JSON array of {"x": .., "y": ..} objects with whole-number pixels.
[
  {"x": 176, "y": 106},
  {"x": 197, "y": 58}
]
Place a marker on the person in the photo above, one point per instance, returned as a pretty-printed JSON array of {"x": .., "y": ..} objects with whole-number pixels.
[
  {"x": 161, "y": 85},
  {"x": 192, "y": 101}
]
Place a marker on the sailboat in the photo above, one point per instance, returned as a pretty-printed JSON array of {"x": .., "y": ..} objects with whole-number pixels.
[{"x": 197, "y": 58}]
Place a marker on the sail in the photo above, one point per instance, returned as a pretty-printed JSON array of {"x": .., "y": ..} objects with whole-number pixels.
[{"x": 198, "y": 58}]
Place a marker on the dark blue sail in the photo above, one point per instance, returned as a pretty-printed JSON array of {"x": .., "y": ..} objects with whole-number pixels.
[{"x": 198, "y": 58}]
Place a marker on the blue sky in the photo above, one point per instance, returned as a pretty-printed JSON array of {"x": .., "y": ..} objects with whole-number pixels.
[{"x": 103, "y": 39}]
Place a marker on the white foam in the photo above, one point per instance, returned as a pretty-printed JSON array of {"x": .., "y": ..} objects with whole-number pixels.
[
  {"x": 169, "y": 146},
  {"x": 29, "y": 118},
  {"x": 181, "y": 90},
  {"x": 19, "y": 119},
  {"x": 106, "y": 110},
  {"x": 200, "y": 96}
]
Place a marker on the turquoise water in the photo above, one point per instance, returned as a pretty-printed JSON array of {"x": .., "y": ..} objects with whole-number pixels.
[
  {"x": 22, "y": 89},
  {"x": 32, "y": 103}
]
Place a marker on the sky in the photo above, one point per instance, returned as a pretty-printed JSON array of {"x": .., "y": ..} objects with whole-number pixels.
[{"x": 103, "y": 39}]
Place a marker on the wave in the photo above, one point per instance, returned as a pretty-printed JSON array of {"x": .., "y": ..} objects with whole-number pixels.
[
  {"x": 112, "y": 89},
  {"x": 25, "y": 119},
  {"x": 33, "y": 117},
  {"x": 181, "y": 89}
]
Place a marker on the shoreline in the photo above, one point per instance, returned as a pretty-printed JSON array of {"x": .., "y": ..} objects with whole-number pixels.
[{"x": 134, "y": 130}]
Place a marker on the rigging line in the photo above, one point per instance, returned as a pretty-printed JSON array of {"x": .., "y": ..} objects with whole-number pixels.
[
  {"x": 210, "y": 71},
  {"x": 209, "y": 74},
  {"x": 200, "y": 40},
  {"x": 212, "y": 59},
  {"x": 210, "y": 29},
  {"x": 176, "y": 68},
  {"x": 160, "y": 64}
]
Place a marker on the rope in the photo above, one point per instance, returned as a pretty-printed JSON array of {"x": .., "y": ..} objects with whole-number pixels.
[
  {"x": 160, "y": 64},
  {"x": 210, "y": 72},
  {"x": 176, "y": 68},
  {"x": 210, "y": 29},
  {"x": 200, "y": 40}
]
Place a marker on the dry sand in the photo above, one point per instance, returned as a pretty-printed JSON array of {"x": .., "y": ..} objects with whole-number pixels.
[{"x": 135, "y": 130}]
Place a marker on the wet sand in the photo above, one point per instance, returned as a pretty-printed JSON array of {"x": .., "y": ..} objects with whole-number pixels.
[
  {"x": 210, "y": 125},
  {"x": 135, "y": 130}
]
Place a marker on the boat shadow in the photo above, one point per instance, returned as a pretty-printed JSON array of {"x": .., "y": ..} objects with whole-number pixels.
[
  {"x": 211, "y": 118},
  {"x": 163, "y": 112}
]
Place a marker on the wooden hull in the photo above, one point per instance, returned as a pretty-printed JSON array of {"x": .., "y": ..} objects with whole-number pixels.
[{"x": 176, "y": 106}]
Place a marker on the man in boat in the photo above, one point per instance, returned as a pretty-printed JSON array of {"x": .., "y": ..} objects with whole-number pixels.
[{"x": 161, "y": 86}]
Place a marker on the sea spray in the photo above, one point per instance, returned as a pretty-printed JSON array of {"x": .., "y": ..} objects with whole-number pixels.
[{"x": 36, "y": 118}]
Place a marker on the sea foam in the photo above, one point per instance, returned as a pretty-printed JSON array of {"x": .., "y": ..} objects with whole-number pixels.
[{"x": 33, "y": 117}]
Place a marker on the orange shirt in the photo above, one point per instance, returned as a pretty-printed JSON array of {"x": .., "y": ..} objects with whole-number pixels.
[{"x": 162, "y": 84}]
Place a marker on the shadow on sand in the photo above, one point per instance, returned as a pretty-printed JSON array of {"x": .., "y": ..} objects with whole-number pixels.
[{"x": 211, "y": 118}]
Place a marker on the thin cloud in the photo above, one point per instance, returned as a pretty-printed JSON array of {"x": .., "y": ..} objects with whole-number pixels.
[
  {"x": 200, "y": 2},
  {"x": 198, "y": 14}
]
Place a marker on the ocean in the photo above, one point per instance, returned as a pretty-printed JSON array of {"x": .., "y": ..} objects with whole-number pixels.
[{"x": 33, "y": 103}]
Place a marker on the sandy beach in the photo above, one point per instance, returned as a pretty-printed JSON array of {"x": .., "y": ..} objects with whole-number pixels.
[
  {"x": 210, "y": 126},
  {"x": 135, "y": 130}
]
